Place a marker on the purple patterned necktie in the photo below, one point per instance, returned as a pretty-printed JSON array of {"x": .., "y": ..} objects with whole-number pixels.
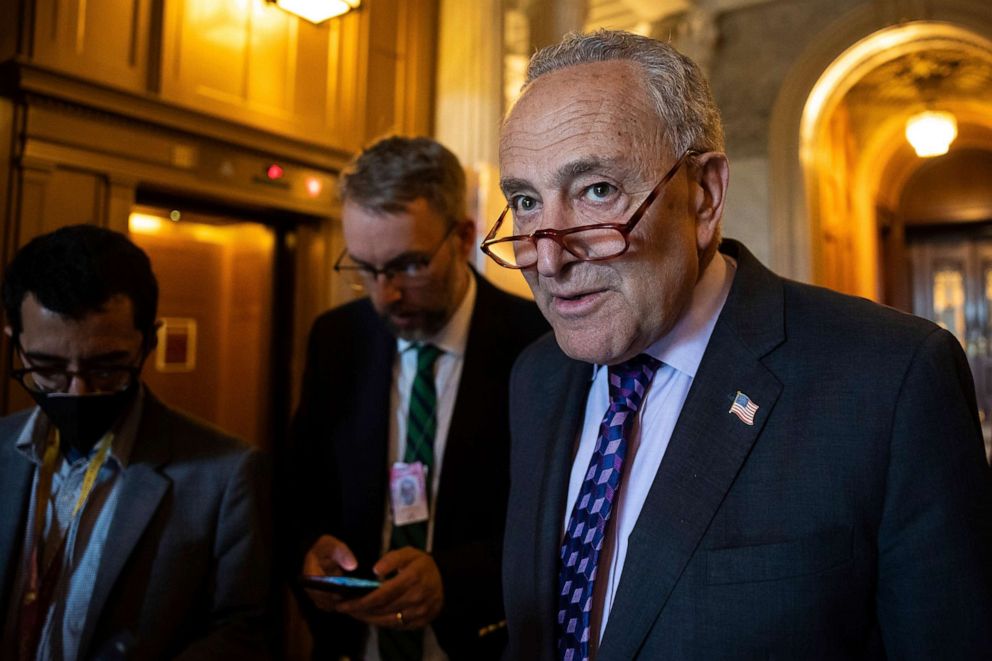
[{"x": 587, "y": 525}]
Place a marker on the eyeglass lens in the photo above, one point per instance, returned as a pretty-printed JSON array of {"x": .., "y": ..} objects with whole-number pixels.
[
  {"x": 588, "y": 244},
  {"x": 111, "y": 379}
]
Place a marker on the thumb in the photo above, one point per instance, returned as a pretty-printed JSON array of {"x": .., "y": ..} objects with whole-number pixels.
[{"x": 344, "y": 558}]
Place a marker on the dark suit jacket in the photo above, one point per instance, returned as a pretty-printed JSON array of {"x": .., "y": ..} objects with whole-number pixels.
[
  {"x": 185, "y": 570},
  {"x": 341, "y": 434},
  {"x": 852, "y": 520}
]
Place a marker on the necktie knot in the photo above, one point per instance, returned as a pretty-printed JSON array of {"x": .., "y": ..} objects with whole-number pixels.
[
  {"x": 629, "y": 380},
  {"x": 427, "y": 354}
]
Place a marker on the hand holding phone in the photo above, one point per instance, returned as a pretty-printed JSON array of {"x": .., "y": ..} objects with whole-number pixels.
[
  {"x": 328, "y": 557},
  {"x": 346, "y": 586}
]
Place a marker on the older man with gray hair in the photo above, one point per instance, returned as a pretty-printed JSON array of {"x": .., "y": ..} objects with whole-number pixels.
[{"x": 781, "y": 471}]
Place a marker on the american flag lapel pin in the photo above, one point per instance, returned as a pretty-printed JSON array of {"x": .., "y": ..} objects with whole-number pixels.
[{"x": 744, "y": 408}]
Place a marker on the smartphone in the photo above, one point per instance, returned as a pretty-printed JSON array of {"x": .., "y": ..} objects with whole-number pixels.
[{"x": 346, "y": 586}]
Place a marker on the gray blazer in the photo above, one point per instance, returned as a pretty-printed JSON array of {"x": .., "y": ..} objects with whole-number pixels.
[
  {"x": 852, "y": 520},
  {"x": 186, "y": 569}
]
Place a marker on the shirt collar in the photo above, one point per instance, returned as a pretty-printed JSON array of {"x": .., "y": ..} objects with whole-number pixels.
[
  {"x": 453, "y": 337},
  {"x": 31, "y": 441},
  {"x": 683, "y": 346}
]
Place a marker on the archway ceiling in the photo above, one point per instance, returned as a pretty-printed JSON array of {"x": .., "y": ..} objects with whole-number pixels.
[{"x": 946, "y": 79}]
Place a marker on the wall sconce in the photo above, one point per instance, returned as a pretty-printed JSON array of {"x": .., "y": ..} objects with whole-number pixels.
[
  {"x": 931, "y": 132},
  {"x": 317, "y": 11}
]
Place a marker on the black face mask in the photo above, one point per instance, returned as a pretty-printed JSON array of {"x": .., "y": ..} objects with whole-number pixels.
[{"x": 82, "y": 420}]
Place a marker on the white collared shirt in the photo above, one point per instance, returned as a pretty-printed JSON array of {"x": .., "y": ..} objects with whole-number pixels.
[
  {"x": 680, "y": 352},
  {"x": 451, "y": 339}
]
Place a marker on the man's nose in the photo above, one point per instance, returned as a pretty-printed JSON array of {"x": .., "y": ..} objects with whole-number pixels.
[
  {"x": 551, "y": 255},
  {"x": 78, "y": 385},
  {"x": 384, "y": 290}
]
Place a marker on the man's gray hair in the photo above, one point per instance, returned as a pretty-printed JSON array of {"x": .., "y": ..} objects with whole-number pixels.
[
  {"x": 395, "y": 171},
  {"x": 676, "y": 85}
]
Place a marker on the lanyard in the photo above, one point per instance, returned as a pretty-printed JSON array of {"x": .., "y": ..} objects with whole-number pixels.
[{"x": 41, "y": 584}]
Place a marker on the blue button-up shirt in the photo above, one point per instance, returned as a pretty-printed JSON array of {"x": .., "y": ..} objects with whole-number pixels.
[{"x": 85, "y": 534}]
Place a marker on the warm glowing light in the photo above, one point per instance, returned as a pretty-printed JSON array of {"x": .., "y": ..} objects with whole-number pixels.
[
  {"x": 931, "y": 132},
  {"x": 318, "y": 11},
  {"x": 142, "y": 223},
  {"x": 274, "y": 171},
  {"x": 314, "y": 186}
]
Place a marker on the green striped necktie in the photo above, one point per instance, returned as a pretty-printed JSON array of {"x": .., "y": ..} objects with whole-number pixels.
[{"x": 421, "y": 427}]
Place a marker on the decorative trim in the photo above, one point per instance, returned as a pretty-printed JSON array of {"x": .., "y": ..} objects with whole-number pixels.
[{"x": 40, "y": 85}]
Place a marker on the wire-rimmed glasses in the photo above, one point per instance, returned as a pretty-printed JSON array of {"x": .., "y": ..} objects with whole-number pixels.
[
  {"x": 407, "y": 270},
  {"x": 590, "y": 243}
]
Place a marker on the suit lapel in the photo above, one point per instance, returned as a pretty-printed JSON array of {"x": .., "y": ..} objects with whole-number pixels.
[
  {"x": 142, "y": 490},
  {"x": 557, "y": 431},
  {"x": 367, "y": 451},
  {"x": 479, "y": 351},
  {"x": 16, "y": 474},
  {"x": 705, "y": 454}
]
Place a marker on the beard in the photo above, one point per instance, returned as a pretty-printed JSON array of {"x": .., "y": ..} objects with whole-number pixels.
[{"x": 414, "y": 326}]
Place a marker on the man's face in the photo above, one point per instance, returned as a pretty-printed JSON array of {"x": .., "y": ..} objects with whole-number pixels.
[
  {"x": 585, "y": 142},
  {"x": 105, "y": 338},
  {"x": 411, "y": 311}
]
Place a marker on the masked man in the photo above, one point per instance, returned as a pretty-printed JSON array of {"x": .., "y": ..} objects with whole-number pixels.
[{"x": 126, "y": 528}]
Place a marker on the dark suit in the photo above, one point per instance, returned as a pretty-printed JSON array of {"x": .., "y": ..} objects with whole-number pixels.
[
  {"x": 341, "y": 433},
  {"x": 852, "y": 520},
  {"x": 185, "y": 570}
]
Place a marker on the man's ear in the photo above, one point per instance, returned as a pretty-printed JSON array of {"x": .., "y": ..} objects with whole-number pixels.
[
  {"x": 8, "y": 331},
  {"x": 711, "y": 174},
  {"x": 465, "y": 231},
  {"x": 152, "y": 342}
]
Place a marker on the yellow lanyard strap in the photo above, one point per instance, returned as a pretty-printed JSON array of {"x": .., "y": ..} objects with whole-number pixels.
[{"x": 44, "y": 491}]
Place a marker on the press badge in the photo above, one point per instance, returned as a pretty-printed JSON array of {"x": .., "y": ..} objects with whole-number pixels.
[{"x": 408, "y": 493}]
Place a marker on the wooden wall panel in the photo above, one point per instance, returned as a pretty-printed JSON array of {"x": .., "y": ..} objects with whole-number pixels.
[
  {"x": 102, "y": 40},
  {"x": 254, "y": 63},
  {"x": 206, "y": 52},
  {"x": 11, "y": 11},
  {"x": 54, "y": 197},
  {"x": 335, "y": 86},
  {"x": 342, "y": 121}
]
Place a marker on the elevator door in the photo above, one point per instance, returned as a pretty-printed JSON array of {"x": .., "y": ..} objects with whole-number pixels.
[
  {"x": 952, "y": 286},
  {"x": 215, "y": 281}
]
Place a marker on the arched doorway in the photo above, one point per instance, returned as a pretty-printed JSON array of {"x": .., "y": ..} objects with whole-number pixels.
[
  {"x": 833, "y": 151},
  {"x": 855, "y": 157},
  {"x": 856, "y": 209}
]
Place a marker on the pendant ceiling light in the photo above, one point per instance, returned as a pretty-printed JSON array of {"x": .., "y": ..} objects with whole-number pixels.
[
  {"x": 931, "y": 132},
  {"x": 930, "y": 77},
  {"x": 317, "y": 11}
]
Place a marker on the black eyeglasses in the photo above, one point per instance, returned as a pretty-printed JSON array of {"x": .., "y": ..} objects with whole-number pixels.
[
  {"x": 409, "y": 269},
  {"x": 591, "y": 243},
  {"x": 107, "y": 378},
  {"x": 56, "y": 379}
]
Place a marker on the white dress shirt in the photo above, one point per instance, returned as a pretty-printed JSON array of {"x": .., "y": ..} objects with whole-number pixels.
[
  {"x": 680, "y": 352},
  {"x": 451, "y": 339}
]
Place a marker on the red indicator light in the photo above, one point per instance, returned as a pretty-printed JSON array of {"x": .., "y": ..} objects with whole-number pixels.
[{"x": 274, "y": 171}]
